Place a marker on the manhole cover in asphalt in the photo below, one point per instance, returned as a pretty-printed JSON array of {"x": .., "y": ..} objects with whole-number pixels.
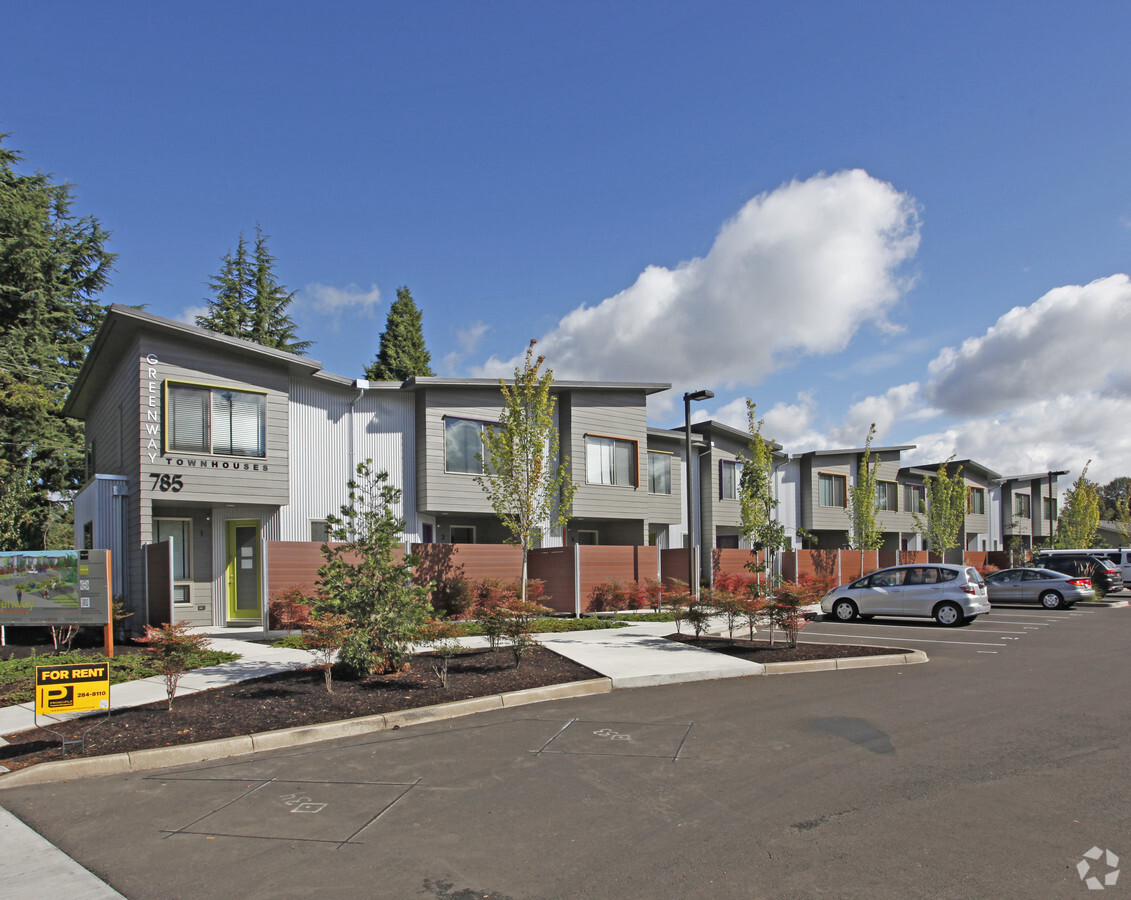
[{"x": 658, "y": 740}]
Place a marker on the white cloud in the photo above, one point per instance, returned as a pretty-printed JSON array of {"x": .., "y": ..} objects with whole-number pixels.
[
  {"x": 1072, "y": 339},
  {"x": 332, "y": 300},
  {"x": 189, "y": 313},
  {"x": 798, "y": 271},
  {"x": 468, "y": 340}
]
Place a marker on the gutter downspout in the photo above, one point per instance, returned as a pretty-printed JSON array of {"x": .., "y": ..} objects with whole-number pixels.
[{"x": 362, "y": 386}]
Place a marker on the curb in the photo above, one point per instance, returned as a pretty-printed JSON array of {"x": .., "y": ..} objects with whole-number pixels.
[
  {"x": 903, "y": 658},
  {"x": 1105, "y": 604},
  {"x": 185, "y": 754}
]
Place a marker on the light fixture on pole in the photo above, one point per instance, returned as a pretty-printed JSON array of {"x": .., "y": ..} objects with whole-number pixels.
[{"x": 692, "y": 579}]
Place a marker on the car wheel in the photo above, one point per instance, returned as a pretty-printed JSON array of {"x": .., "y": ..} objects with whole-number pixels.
[
  {"x": 844, "y": 610},
  {"x": 1051, "y": 600},
  {"x": 949, "y": 614}
]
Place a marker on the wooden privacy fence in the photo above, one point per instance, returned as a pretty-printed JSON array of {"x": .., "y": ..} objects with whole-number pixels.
[{"x": 571, "y": 573}]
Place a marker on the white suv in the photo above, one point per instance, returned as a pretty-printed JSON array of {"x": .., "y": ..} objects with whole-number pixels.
[{"x": 951, "y": 595}]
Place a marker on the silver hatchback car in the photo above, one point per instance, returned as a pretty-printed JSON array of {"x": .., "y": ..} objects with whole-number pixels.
[{"x": 951, "y": 595}]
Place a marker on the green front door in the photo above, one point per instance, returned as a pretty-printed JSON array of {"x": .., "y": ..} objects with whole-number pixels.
[{"x": 244, "y": 580}]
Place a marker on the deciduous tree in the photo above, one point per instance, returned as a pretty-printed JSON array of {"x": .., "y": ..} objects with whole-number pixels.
[
  {"x": 401, "y": 353},
  {"x": 527, "y": 485},
  {"x": 1080, "y": 518},
  {"x": 757, "y": 503},
  {"x": 946, "y": 509},
  {"x": 865, "y": 533}
]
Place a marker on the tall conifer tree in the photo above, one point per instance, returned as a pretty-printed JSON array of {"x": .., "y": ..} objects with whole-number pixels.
[
  {"x": 249, "y": 302},
  {"x": 402, "y": 353},
  {"x": 52, "y": 267}
]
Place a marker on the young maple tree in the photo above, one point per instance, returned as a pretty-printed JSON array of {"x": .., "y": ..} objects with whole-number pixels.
[{"x": 527, "y": 485}]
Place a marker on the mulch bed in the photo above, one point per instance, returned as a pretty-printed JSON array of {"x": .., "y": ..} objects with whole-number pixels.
[
  {"x": 296, "y": 698},
  {"x": 290, "y": 699},
  {"x": 760, "y": 651}
]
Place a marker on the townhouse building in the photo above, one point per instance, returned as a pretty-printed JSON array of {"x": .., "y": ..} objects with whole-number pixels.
[{"x": 201, "y": 448}]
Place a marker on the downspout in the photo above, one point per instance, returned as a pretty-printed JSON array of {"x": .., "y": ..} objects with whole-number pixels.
[{"x": 362, "y": 385}]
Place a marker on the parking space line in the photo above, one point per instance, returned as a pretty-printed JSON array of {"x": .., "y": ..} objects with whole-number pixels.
[{"x": 866, "y": 637}]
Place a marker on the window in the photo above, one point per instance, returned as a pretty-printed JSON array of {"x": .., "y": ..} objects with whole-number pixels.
[
  {"x": 1050, "y": 509},
  {"x": 462, "y": 534},
  {"x": 464, "y": 452},
  {"x": 215, "y": 420},
  {"x": 610, "y": 461},
  {"x": 730, "y": 477},
  {"x": 319, "y": 531},
  {"x": 1021, "y": 507},
  {"x": 914, "y": 498},
  {"x": 179, "y": 531},
  {"x": 833, "y": 489},
  {"x": 976, "y": 502},
  {"x": 659, "y": 472},
  {"x": 887, "y": 496}
]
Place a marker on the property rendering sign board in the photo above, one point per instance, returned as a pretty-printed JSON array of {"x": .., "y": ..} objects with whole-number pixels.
[
  {"x": 77, "y": 687},
  {"x": 55, "y": 587}
]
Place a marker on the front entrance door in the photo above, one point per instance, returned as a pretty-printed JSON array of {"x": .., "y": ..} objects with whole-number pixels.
[{"x": 243, "y": 576}]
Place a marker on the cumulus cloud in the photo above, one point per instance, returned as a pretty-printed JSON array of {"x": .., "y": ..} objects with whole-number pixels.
[
  {"x": 189, "y": 313},
  {"x": 468, "y": 341},
  {"x": 326, "y": 298},
  {"x": 1072, "y": 339},
  {"x": 798, "y": 271}
]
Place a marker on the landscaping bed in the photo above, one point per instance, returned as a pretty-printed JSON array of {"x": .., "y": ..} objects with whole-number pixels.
[
  {"x": 760, "y": 651},
  {"x": 295, "y": 698}
]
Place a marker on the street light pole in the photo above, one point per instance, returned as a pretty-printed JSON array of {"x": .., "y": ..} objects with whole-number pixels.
[{"x": 692, "y": 578}]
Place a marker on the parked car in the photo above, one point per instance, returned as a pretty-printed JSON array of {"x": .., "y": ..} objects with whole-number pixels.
[
  {"x": 951, "y": 595},
  {"x": 1120, "y": 557},
  {"x": 1104, "y": 575},
  {"x": 1053, "y": 590}
]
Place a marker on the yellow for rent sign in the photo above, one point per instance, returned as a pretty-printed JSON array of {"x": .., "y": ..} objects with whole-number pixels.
[{"x": 79, "y": 687}]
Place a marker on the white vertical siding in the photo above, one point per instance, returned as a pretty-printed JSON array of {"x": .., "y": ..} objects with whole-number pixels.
[{"x": 332, "y": 429}]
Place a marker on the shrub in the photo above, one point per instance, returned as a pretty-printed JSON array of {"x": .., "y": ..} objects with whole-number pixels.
[
  {"x": 608, "y": 597},
  {"x": 325, "y": 636},
  {"x": 173, "y": 646},
  {"x": 289, "y": 610},
  {"x": 442, "y": 637},
  {"x": 454, "y": 598}
]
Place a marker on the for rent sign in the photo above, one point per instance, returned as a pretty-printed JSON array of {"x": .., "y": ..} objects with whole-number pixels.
[{"x": 80, "y": 687}]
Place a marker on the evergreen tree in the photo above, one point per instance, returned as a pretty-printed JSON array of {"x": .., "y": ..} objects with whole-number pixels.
[
  {"x": 249, "y": 302},
  {"x": 402, "y": 353},
  {"x": 52, "y": 266}
]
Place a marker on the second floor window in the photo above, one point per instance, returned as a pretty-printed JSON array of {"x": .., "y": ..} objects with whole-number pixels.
[
  {"x": 1049, "y": 506},
  {"x": 832, "y": 489},
  {"x": 1021, "y": 507},
  {"x": 215, "y": 420},
  {"x": 976, "y": 502},
  {"x": 610, "y": 461},
  {"x": 659, "y": 472},
  {"x": 914, "y": 498},
  {"x": 730, "y": 477},
  {"x": 464, "y": 451},
  {"x": 887, "y": 496}
]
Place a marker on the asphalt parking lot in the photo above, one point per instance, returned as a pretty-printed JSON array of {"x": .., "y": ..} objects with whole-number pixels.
[{"x": 989, "y": 771}]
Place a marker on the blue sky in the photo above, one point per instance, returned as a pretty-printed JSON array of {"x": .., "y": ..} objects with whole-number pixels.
[{"x": 912, "y": 214}]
